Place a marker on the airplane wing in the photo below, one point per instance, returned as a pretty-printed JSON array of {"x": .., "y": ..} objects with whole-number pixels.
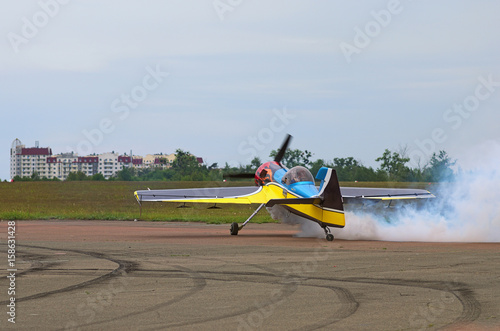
[
  {"x": 262, "y": 194},
  {"x": 359, "y": 193},
  {"x": 236, "y": 195}
]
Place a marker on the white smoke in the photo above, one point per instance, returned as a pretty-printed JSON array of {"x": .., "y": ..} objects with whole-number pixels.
[
  {"x": 466, "y": 210},
  {"x": 307, "y": 227}
]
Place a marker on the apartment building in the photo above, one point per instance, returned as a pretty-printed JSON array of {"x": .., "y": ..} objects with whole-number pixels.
[
  {"x": 25, "y": 162},
  {"x": 159, "y": 160},
  {"x": 63, "y": 164}
]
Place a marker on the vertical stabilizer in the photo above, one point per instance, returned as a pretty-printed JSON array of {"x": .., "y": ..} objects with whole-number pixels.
[{"x": 330, "y": 189}]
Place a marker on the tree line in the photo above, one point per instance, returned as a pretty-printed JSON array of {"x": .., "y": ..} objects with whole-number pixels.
[{"x": 393, "y": 167}]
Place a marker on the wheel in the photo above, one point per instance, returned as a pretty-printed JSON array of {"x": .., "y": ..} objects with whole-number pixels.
[
  {"x": 329, "y": 237},
  {"x": 234, "y": 229}
]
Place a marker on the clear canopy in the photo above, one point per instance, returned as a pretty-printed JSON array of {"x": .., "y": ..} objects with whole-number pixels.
[{"x": 296, "y": 175}]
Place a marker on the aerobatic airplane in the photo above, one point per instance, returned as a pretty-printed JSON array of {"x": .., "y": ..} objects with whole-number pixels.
[{"x": 294, "y": 189}]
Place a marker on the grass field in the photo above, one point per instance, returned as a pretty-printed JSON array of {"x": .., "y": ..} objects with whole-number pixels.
[{"x": 89, "y": 200}]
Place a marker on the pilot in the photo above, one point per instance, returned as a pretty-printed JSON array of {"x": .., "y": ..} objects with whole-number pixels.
[
  {"x": 296, "y": 175},
  {"x": 299, "y": 175}
]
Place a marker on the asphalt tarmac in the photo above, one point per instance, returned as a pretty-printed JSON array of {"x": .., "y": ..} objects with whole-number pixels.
[{"x": 114, "y": 275}]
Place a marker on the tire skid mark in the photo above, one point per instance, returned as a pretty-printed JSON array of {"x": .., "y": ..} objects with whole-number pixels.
[
  {"x": 288, "y": 289},
  {"x": 199, "y": 285},
  {"x": 123, "y": 266},
  {"x": 471, "y": 307},
  {"x": 35, "y": 261},
  {"x": 349, "y": 306}
]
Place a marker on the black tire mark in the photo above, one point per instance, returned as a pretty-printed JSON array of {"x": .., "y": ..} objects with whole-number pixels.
[
  {"x": 348, "y": 303},
  {"x": 349, "y": 306},
  {"x": 287, "y": 290},
  {"x": 123, "y": 267},
  {"x": 199, "y": 285},
  {"x": 471, "y": 307},
  {"x": 290, "y": 289},
  {"x": 35, "y": 263}
]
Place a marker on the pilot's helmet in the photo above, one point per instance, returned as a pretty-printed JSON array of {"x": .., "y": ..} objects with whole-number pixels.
[{"x": 296, "y": 175}]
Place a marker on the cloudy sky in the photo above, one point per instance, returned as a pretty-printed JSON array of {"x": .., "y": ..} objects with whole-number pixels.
[{"x": 227, "y": 79}]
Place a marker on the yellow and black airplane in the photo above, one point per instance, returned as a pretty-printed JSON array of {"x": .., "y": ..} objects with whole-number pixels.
[{"x": 294, "y": 189}]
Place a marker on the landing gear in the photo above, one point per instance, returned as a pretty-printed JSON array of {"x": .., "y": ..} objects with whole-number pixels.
[
  {"x": 329, "y": 235},
  {"x": 235, "y": 227}
]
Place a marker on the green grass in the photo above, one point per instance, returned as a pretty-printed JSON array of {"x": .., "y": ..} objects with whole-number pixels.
[
  {"x": 89, "y": 200},
  {"x": 110, "y": 201}
]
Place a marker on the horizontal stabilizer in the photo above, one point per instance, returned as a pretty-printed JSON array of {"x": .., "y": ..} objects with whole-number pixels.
[
  {"x": 362, "y": 193},
  {"x": 294, "y": 201}
]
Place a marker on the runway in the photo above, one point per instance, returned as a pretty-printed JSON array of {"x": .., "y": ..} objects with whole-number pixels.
[{"x": 115, "y": 275}]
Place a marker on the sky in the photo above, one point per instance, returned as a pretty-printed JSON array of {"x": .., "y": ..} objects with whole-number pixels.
[{"x": 227, "y": 79}]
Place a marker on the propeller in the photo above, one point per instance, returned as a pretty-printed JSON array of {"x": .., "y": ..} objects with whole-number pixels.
[
  {"x": 283, "y": 149},
  {"x": 240, "y": 176},
  {"x": 278, "y": 158}
]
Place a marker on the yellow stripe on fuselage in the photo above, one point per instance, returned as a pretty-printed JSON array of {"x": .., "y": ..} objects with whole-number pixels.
[{"x": 333, "y": 218}]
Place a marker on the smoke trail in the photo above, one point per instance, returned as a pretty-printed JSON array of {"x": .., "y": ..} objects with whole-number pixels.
[
  {"x": 308, "y": 228},
  {"x": 467, "y": 210}
]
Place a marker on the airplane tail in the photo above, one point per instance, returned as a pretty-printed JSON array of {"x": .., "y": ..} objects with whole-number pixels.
[
  {"x": 329, "y": 190},
  {"x": 327, "y": 209},
  {"x": 331, "y": 198}
]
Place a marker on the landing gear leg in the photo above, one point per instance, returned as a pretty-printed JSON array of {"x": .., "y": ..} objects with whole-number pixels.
[
  {"x": 329, "y": 235},
  {"x": 235, "y": 227}
]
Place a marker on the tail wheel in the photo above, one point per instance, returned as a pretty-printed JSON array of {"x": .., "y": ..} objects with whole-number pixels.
[{"x": 329, "y": 237}]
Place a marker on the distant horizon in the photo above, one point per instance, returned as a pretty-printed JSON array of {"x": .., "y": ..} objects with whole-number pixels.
[{"x": 220, "y": 165}]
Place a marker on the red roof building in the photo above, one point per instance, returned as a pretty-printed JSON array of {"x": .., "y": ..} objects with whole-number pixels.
[
  {"x": 124, "y": 159},
  {"x": 25, "y": 162},
  {"x": 88, "y": 159},
  {"x": 36, "y": 151}
]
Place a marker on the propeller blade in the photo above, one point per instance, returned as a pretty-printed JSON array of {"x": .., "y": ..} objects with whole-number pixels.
[
  {"x": 242, "y": 175},
  {"x": 283, "y": 148}
]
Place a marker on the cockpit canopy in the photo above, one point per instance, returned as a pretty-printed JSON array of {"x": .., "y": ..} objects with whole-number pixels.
[{"x": 296, "y": 175}]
